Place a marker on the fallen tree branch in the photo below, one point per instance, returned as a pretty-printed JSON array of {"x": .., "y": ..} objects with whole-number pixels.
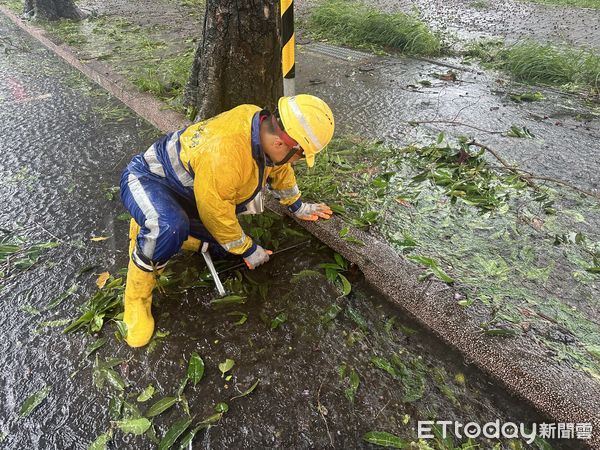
[{"x": 528, "y": 177}]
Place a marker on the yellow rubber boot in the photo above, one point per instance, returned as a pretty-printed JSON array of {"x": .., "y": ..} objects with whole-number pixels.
[
  {"x": 138, "y": 305},
  {"x": 134, "y": 229},
  {"x": 191, "y": 244}
]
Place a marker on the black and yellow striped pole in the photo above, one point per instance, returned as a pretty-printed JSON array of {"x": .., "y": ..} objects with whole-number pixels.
[{"x": 288, "y": 41}]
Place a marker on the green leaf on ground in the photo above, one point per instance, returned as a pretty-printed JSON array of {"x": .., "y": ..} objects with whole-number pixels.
[
  {"x": 243, "y": 317},
  {"x": 384, "y": 364},
  {"x": 433, "y": 266},
  {"x": 189, "y": 437},
  {"x": 196, "y": 368},
  {"x": 226, "y": 366},
  {"x": 384, "y": 439},
  {"x": 134, "y": 426},
  {"x": 331, "y": 313},
  {"x": 173, "y": 433},
  {"x": 594, "y": 350},
  {"x": 346, "y": 286},
  {"x": 281, "y": 318},
  {"x": 33, "y": 401},
  {"x": 182, "y": 386},
  {"x": 100, "y": 442},
  {"x": 63, "y": 296},
  {"x": 339, "y": 259},
  {"x": 304, "y": 274},
  {"x": 114, "y": 379},
  {"x": 357, "y": 318},
  {"x": 527, "y": 97},
  {"x": 354, "y": 382},
  {"x": 228, "y": 300},
  {"x": 247, "y": 391},
  {"x": 146, "y": 394},
  {"x": 222, "y": 407},
  {"x": 94, "y": 346},
  {"x": 519, "y": 132},
  {"x": 161, "y": 406},
  {"x": 115, "y": 406},
  {"x": 53, "y": 324}
]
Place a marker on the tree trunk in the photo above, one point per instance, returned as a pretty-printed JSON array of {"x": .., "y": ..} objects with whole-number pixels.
[
  {"x": 51, "y": 10},
  {"x": 238, "y": 59}
]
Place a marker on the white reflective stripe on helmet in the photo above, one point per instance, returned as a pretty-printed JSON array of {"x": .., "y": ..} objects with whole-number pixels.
[
  {"x": 150, "y": 213},
  {"x": 285, "y": 193},
  {"x": 233, "y": 244},
  {"x": 182, "y": 175},
  {"x": 153, "y": 163},
  {"x": 307, "y": 129}
]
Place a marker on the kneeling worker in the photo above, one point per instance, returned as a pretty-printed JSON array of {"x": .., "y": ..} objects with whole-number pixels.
[{"x": 187, "y": 189}]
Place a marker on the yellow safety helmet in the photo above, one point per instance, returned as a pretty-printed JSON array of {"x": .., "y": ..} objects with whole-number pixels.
[{"x": 309, "y": 121}]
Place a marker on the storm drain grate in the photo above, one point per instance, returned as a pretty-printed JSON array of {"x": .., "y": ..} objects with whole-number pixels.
[{"x": 338, "y": 52}]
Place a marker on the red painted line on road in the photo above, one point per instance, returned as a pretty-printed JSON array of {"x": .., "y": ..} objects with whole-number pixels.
[{"x": 16, "y": 89}]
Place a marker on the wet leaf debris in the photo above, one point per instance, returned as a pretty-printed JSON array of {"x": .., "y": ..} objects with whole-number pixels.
[
  {"x": 509, "y": 242},
  {"x": 222, "y": 364}
]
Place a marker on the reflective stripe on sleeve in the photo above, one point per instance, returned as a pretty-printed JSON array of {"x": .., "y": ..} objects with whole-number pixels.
[
  {"x": 285, "y": 193},
  {"x": 172, "y": 150},
  {"x": 154, "y": 165},
  {"x": 304, "y": 123},
  {"x": 233, "y": 244},
  {"x": 150, "y": 213}
]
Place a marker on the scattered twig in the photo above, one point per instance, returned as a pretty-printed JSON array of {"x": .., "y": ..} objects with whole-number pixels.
[
  {"x": 560, "y": 182},
  {"x": 381, "y": 410},
  {"x": 47, "y": 232},
  {"x": 119, "y": 161},
  {"x": 320, "y": 408}
]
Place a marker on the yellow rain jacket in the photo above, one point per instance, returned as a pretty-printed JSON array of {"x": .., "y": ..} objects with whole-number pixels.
[{"x": 229, "y": 169}]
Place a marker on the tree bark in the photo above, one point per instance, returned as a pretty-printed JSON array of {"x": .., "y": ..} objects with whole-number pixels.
[
  {"x": 51, "y": 10},
  {"x": 238, "y": 59}
]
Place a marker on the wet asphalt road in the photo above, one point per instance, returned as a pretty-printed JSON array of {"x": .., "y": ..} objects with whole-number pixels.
[
  {"x": 382, "y": 98},
  {"x": 64, "y": 143}
]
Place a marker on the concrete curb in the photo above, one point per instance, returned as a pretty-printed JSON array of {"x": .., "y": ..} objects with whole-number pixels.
[
  {"x": 559, "y": 392},
  {"x": 145, "y": 105}
]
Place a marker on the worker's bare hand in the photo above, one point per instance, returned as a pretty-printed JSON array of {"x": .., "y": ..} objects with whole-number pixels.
[
  {"x": 313, "y": 211},
  {"x": 258, "y": 257}
]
